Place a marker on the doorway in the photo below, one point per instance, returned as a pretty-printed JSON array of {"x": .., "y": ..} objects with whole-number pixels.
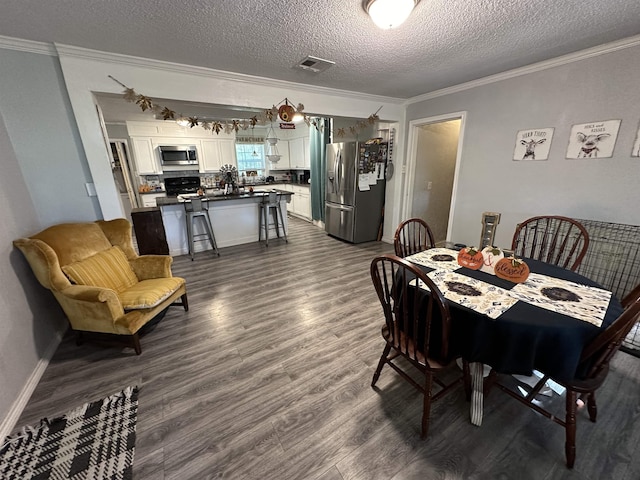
[{"x": 434, "y": 155}]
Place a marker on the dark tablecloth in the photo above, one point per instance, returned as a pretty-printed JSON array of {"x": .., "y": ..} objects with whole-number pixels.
[{"x": 525, "y": 337}]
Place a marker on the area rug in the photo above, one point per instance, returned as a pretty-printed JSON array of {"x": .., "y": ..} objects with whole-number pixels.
[{"x": 94, "y": 441}]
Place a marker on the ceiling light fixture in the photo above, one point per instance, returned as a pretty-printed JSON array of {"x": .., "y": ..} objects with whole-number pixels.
[{"x": 389, "y": 13}]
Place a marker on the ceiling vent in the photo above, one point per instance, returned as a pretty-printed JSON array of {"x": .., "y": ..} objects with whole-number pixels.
[{"x": 315, "y": 64}]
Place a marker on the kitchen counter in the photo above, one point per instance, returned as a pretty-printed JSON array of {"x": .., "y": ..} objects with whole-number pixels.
[
  {"x": 257, "y": 195},
  {"x": 235, "y": 219}
]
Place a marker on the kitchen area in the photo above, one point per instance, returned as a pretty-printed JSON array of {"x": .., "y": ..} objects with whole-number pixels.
[{"x": 164, "y": 162}]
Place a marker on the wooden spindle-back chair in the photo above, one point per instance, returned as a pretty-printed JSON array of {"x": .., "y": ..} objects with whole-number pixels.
[{"x": 412, "y": 236}]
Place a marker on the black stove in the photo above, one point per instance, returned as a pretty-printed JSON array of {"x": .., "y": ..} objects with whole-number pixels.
[{"x": 180, "y": 185}]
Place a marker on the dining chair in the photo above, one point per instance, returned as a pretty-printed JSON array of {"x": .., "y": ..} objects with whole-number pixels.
[
  {"x": 417, "y": 323},
  {"x": 552, "y": 239},
  {"x": 412, "y": 236},
  {"x": 595, "y": 363}
]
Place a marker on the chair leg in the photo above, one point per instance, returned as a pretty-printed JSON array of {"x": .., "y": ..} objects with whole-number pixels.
[
  {"x": 284, "y": 230},
  {"x": 570, "y": 427},
  {"x": 466, "y": 375},
  {"x": 185, "y": 303},
  {"x": 592, "y": 407},
  {"x": 265, "y": 212},
  {"x": 212, "y": 238},
  {"x": 274, "y": 214},
  {"x": 426, "y": 406},
  {"x": 79, "y": 339},
  {"x": 260, "y": 215},
  {"x": 383, "y": 360},
  {"x": 190, "y": 235}
]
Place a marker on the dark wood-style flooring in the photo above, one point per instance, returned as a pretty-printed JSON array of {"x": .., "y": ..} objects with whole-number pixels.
[{"x": 268, "y": 377}]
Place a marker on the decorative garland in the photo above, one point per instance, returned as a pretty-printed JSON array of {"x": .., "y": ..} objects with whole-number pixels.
[{"x": 285, "y": 110}]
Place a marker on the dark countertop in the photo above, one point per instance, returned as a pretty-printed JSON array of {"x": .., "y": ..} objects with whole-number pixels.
[{"x": 164, "y": 201}]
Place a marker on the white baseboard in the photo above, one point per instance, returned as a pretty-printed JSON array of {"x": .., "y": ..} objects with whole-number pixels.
[{"x": 10, "y": 421}]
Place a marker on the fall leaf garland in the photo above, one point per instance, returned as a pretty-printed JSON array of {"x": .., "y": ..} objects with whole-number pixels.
[{"x": 147, "y": 104}]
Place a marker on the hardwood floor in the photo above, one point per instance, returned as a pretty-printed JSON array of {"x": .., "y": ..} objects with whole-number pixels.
[{"x": 268, "y": 377}]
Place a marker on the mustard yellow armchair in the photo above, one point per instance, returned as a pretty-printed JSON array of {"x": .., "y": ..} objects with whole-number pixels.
[{"x": 100, "y": 281}]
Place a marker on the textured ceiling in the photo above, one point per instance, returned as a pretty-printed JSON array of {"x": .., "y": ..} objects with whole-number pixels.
[{"x": 444, "y": 42}]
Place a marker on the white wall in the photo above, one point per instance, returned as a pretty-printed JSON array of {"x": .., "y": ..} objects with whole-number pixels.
[{"x": 596, "y": 88}]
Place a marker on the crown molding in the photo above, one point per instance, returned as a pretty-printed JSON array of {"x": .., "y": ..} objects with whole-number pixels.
[
  {"x": 42, "y": 48},
  {"x": 534, "y": 67},
  {"x": 85, "y": 53}
]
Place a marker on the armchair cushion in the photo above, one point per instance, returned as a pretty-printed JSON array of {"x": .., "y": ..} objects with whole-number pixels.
[
  {"x": 149, "y": 293},
  {"x": 108, "y": 269}
]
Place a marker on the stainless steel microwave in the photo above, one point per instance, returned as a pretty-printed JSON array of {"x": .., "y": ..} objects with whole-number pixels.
[{"x": 178, "y": 155}]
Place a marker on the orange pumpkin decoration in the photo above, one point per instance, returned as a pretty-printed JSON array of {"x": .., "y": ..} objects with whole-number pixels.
[
  {"x": 471, "y": 258},
  {"x": 512, "y": 269},
  {"x": 285, "y": 112}
]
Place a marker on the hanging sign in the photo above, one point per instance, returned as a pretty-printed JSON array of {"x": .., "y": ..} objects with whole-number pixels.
[{"x": 287, "y": 126}]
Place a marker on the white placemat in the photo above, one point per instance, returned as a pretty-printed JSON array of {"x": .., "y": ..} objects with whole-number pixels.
[
  {"x": 436, "y": 258},
  {"x": 475, "y": 294},
  {"x": 562, "y": 296}
]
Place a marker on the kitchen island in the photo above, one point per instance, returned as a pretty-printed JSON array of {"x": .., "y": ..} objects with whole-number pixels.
[{"x": 234, "y": 217}]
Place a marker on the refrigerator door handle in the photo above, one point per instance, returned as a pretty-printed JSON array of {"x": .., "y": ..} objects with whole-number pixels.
[{"x": 338, "y": 167}]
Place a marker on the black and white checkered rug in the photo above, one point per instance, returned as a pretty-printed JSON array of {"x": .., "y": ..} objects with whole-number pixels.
[{"x": 94, "y": 441}]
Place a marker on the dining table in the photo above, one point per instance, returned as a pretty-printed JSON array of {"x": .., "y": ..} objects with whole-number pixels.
[{"x": 541, "y": 324}]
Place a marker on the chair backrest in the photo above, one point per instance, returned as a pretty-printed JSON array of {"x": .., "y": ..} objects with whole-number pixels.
[
  {"x": 272, "y": 198},
  {"x": 412, "y": 236},
  {"x": 600, "y": 351},
  {"x": 556, "y": 240},
  {"x": 417, "y": 319}
]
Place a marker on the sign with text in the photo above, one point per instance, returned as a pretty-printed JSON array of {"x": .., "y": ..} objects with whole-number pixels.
[
  {"x": 593, "y": 139},
  {"x": 533, "y": 144}
]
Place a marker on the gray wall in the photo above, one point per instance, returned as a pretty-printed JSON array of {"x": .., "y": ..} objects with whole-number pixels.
[
  {"x": 42, "y": 183},
  {"x": 599, "y": 88}
]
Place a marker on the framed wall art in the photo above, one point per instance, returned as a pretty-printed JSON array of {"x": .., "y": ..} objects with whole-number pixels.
[
  {"x": 635, "y": 151},
  {"x": 533, "y": 144},
  {"x": 593, "y": 139}
]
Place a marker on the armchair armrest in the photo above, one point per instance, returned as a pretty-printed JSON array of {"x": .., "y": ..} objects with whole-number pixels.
[
  {"x": 94, "y": 309},
  {"x": 152, "y": 266}
]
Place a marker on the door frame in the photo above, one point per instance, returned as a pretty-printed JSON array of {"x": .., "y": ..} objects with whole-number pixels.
[{"x": 412, "y": 153}]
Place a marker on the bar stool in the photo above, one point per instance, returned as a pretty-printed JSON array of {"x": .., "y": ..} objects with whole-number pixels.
[
  {"x": 270, "y": 204},
  {"x": 195, "y": 209}
]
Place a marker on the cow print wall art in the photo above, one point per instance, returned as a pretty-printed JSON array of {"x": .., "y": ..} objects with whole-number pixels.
[{"x": 593, "y": 139}]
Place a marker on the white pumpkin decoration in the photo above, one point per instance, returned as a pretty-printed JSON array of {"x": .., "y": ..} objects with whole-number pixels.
[{"x": 490, "y": 256}]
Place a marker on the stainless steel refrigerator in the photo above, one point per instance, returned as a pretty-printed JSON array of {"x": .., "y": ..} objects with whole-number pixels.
[{"x": 355, "y": 190}]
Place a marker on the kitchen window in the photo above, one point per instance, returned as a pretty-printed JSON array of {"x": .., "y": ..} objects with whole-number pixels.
[{"x": 250, "y": 155}]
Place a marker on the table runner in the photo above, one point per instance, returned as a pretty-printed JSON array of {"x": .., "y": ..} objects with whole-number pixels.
[
  {"x": 436, "y": 258},
  {"x": 582, "y": 302},
  {"x": 477, "y": 295}
]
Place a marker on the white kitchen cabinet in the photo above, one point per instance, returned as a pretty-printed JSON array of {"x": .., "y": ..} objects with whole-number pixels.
[
  {"x": 144, "y": 156},
  {"x": 296, "y": 153},
  {"x": 216, "y": 152},
  {"x": 301, "y": 201},
  {"x": 149, "y": 199}
]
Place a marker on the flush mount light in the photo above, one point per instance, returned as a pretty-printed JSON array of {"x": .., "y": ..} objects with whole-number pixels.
[{"x": 389, "y": 13}]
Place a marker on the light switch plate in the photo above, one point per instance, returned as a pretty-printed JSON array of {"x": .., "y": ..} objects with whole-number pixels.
[{"x": 91, "y": 189}]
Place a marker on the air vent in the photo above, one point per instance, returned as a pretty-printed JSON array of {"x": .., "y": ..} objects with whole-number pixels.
[{"x": 315, "y": 64}]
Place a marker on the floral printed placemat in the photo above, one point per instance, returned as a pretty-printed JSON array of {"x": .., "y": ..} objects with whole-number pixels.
[
  {"x": 436, "y": 258},
  {"x": 562, "y": 296},
  {"x": 475, "y": 294}
]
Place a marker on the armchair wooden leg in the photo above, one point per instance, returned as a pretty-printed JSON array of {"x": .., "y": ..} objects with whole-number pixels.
[
  {"x": 185, "y": 303},
  {"x": 570, "y": 427},
  {"x": 383, "y": 359},
  {"x": 135, "y": 339},
  {"x": 79, "y": 339}
]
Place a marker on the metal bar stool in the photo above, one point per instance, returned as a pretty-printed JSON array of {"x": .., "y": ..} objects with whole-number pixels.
[
  {"x": 195, "y": 209},
  {"x": 270, "y": 204}
]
